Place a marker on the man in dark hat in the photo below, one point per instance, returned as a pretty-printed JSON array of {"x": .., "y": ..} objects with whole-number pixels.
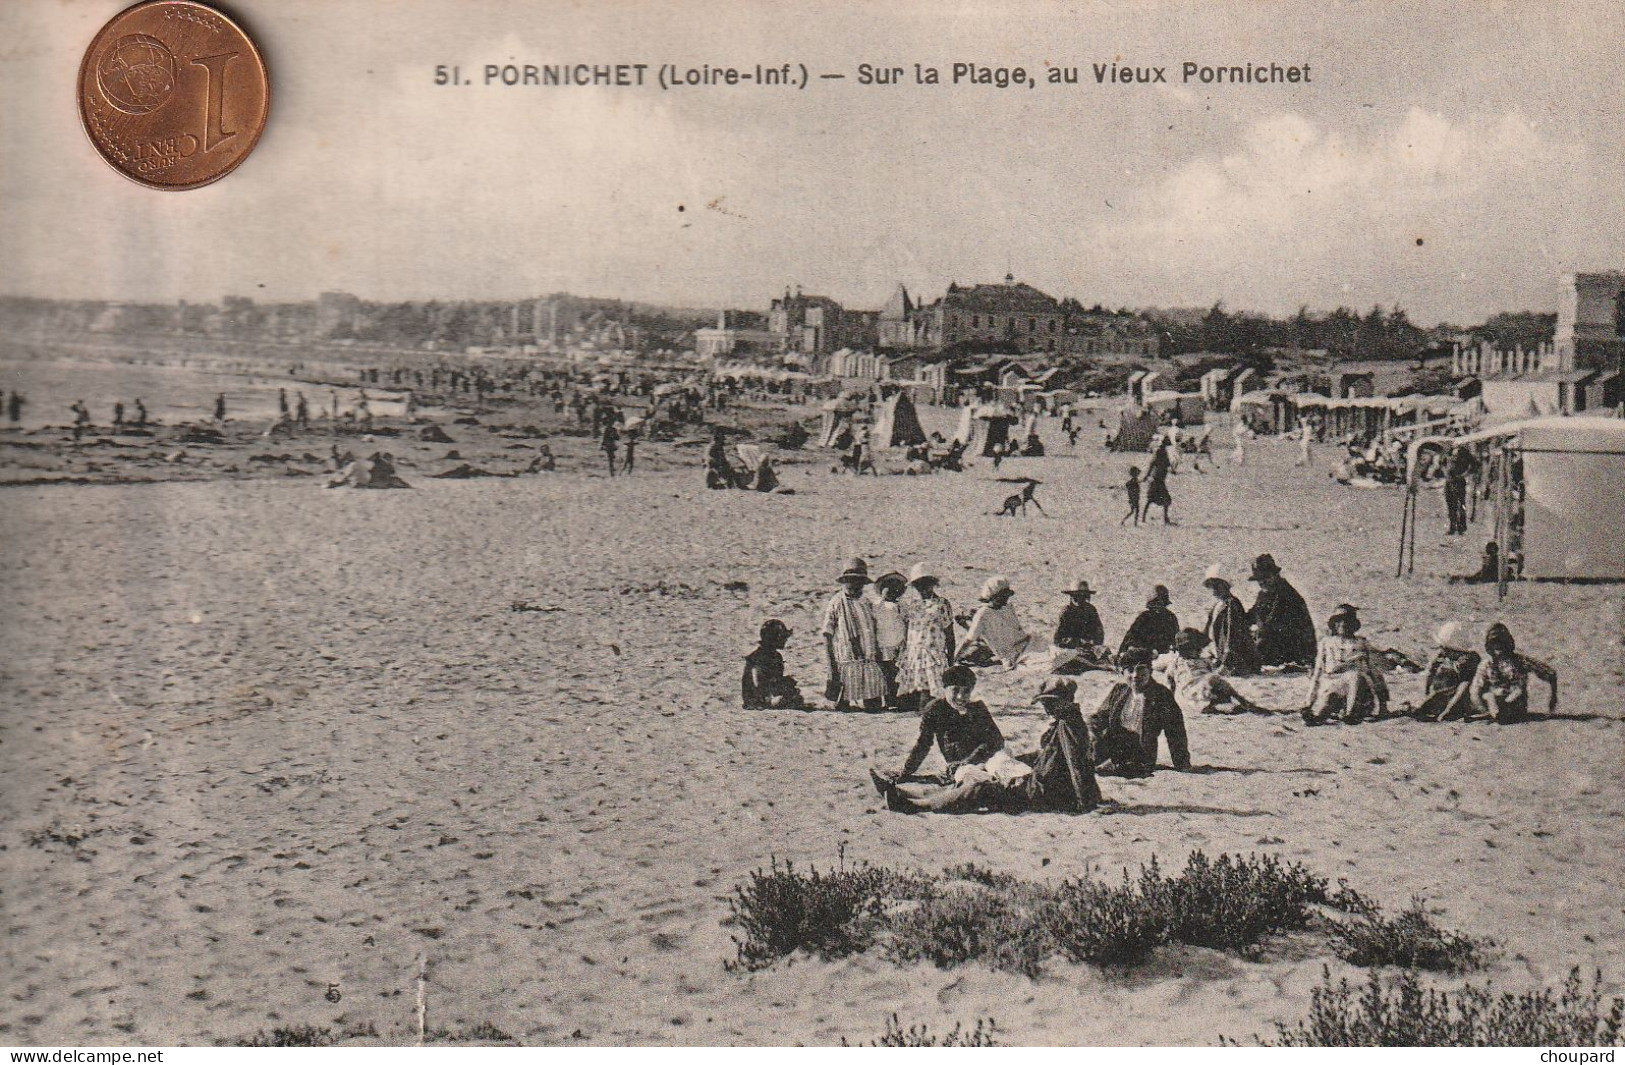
[
  {"x": 1282, "y": 625},
  {"x": 1132, "y": 717},
  {"x": 1155, "y": 627},
  {"x": 764, "y": 685}
]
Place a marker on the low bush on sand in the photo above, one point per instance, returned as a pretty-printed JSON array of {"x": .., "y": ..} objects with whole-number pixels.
[
  {"x": 969, "y": 914},
  {"x": 1400, "y": 1012},
  {"x": 917, "y": 1035},
  {"x": 1408, "y": 941}
]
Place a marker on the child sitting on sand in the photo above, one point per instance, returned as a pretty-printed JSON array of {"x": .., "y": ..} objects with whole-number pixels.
[{"x": 764, "y": 685}]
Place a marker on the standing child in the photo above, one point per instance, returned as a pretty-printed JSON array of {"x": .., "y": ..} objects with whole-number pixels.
[
  {"x": 1132, "y": 487},
  {"x": 891, "y": 629}
]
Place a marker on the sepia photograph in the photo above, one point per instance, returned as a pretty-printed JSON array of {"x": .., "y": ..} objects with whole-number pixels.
[{"x": 1017, "y": 523}]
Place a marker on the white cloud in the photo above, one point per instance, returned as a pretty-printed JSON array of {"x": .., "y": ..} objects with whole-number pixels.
[{"x": 1299, "y": 209}]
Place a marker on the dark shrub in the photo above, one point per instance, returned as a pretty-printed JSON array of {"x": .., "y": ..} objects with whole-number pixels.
[
  {"x": 830, "y": 914},
  {"x": 1091, "y": 922},
  {"x": 1233, "y": 903},
  {"x": 997, "y": 930},
  {"x": 983, "y": 1035},
  {"x": 1405, "y": 1014},
  {"x": 1409, "y": 941}
]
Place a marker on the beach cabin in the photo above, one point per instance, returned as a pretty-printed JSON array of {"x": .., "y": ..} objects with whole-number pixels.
[
  {"x": 1557, "y": 488},
  {"x": 898, "y": 423}
]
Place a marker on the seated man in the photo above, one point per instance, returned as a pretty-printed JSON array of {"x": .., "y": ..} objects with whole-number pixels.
[
  {"x": 764, "y": 686},
  {"x": 1061, "y": 777},
  {"x": 1131, "y": 718},
  {"x": 1347, "y": 684},
  {"x": 1196, "y": 687},
  {"x": 964, "y": 731},
  {"x": 1500, "y": 687},
  {"x": 1489, "y": 567}
]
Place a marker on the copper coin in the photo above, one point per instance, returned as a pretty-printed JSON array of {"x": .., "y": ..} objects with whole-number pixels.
[{"x": 173, "y": 94}]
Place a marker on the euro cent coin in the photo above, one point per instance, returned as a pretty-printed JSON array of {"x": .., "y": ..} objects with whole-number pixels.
[{"x": 173, "y": 94}]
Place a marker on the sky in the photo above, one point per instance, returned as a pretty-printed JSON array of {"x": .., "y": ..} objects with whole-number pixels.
[{"x": 1450, "y": 158}]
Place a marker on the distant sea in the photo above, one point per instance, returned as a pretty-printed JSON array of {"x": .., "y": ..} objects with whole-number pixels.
[{"x": 172, "y": 393}]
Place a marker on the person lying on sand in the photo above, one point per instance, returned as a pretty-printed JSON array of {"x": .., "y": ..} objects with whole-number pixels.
[
  {"x": 1500, "y": 687},
  {"x": 1060, "y": 777},
  {"x": 1347, "y": 684},
  {"x": 963, "y": 730},
  {"x": 764, "y": 685},
  {"x": 1132, "y": 717},
  {"x": 1196, "y": 687}
]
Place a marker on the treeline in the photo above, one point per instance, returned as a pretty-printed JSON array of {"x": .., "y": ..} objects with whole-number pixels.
[{"x": 1343, "y": 333}]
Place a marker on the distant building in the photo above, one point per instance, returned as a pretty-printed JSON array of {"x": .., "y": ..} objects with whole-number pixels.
[
  {"x": 731, "y": 339},
  {"x": 1591, "y": 321},
  {"x": 1577, "y": 370},
  {"x": 1013, "y": 313}
]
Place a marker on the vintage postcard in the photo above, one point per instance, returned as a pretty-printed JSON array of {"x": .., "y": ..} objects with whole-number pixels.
[{"x": 1003, "y": 523}]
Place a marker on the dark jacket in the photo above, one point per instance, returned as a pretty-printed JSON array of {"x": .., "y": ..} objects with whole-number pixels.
[
  {"x": 1079, "y": 626},
  {"x": 1285, "y": 631},
  {"x": 1128, "y": 740},
  {"x": 969, "y": 737},
  {"x": 1064, "y": 772},
  {"x": 1154, "y": 629},
  {"x": 1232, "y": 641}
]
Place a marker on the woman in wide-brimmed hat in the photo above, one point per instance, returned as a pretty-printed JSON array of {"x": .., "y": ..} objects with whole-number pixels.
[
  {"x": 929, "y": 648},
  {"x": 1231, "y": 646},
  {"x": 1500, "y": 688},
  {"x": 851, "y": 644},
  {"x": 995, "y": 632},
  {"x": 1347, "y": 683}
]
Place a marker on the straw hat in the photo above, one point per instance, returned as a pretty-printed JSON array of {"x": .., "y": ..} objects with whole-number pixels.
[
  {"x": 920, "y": 571},
  {"x": 1215, "y": 577},
  {"x": 891, "y": 578},
  {"x": 1450, "y": 636},
  {"x": 992, "y": 587},
  {"x": 856, "y": 569}
]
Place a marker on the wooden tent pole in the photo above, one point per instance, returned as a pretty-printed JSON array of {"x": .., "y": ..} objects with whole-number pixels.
[{"x": 1404, "y": 525}]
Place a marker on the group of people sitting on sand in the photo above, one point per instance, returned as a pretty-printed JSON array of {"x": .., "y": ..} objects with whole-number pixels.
[{"x": 892, "y": 642}]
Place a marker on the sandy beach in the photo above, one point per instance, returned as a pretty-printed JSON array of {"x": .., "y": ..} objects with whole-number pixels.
[{"x": 266, "y": 745}]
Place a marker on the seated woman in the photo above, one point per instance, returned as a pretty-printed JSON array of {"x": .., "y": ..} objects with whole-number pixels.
[
  {"x": 1196, "y": 687},
  {"x": 1500, "y": 686},
  {"x": 1060, "y": 776},
  {"x": 995, "y": 633},
  {"x": 1347, "y": 683},
  {"x": 1131, "y": 719},
  {"x": 763, "y": 685},
  {"x": 964, "y": 731},
  {"x": 1449, "y": 677}
]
